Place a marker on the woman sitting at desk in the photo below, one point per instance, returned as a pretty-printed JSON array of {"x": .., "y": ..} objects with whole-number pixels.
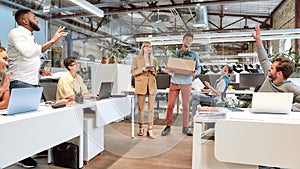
[
  {"x": 72, "y": 82},
  {"x": 217, "y": 91},
  {"x": 4, "y": 79}
]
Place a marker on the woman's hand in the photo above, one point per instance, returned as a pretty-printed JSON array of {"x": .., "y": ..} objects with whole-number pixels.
[{"x": 6, "y": 82}]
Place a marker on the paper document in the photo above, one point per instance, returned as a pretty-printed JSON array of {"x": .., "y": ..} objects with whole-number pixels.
[
  {"x": 209, "y": 114},
  {"x": 197, "y": 85}
]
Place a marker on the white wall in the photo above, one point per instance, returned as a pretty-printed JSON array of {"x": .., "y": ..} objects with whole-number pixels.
[{"x": 8, "y": 23}]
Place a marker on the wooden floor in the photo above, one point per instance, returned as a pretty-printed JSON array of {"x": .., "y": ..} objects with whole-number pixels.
[{"x": 122, "y": 152}]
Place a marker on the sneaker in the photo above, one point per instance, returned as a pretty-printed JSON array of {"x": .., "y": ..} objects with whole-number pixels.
[
  {"x": 185, "y": 130},
  {"x": 166, "y": 131},
  {"x": 27, "y": 163}
]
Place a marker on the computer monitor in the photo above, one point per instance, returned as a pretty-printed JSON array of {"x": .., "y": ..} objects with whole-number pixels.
[
  {"x": 251, "y": 80},
  {"x": 163, "y": 80}
]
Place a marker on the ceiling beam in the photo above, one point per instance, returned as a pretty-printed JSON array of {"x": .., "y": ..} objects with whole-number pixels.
[{"x": 176, "y": 6}]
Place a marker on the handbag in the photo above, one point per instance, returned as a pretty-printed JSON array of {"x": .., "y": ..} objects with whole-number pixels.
[{"x": 66, "y": 155}]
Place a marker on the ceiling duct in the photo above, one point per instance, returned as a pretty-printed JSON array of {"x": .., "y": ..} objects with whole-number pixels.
[
  {"x": 201, "y": 20},
  {"x": 160, "y": 21},
  {"x": 159, "y": 18}
]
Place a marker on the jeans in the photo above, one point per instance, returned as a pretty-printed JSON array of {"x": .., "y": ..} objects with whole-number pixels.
[
  {"x": 20, "y": 84},
  {"x": 198, "y": 98}
]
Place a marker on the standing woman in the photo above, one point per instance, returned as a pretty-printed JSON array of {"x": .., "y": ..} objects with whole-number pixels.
[{"x": 144, "y": 70}]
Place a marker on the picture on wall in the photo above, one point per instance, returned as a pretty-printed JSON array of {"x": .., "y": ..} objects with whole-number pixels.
[{"x": 56, "y": 56}]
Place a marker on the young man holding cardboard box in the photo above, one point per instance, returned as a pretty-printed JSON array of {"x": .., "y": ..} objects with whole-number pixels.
[{"x": 183, "y": 68}]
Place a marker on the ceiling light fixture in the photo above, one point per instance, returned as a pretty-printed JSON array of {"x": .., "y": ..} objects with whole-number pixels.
[
  {"x": 89, "y": 7},
  {"x": 206, "y": 38}
]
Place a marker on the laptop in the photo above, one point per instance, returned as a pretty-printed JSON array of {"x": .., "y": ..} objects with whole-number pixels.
[
  {"x": 105, "y": 90},
  {"x": 272, "y": 102},
  {"x": 24, "y": 100}
]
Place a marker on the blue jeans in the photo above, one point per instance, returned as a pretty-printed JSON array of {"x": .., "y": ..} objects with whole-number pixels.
[
  {"x": 20, "y": 84},
  {"x": 198, "y": 98}
]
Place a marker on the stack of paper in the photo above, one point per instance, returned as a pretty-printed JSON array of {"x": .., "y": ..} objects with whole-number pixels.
[{"x": 210, "y": 114}]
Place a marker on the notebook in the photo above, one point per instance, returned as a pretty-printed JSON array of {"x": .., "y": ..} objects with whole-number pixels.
[
  {"x": 272, "y": 102},
  {"x": 105, "y": 90},
  {"x": 24, "y": 100}
]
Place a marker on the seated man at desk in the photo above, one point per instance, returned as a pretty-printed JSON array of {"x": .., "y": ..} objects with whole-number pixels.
[
  {"x": 72, "y": 82},
  {"x": 277, "y": 73},
  {"x": 218, "y": 91}
]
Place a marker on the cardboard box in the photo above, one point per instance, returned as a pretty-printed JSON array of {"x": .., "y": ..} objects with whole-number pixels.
[{"x": 181, "y": 66}]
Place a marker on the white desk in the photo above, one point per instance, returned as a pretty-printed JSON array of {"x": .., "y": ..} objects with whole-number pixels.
[
  {"x": 254, "y": 139},
  {"x": 269, "y": 140},
  {"x": 24, "y": 135},
  {"x": 109, "y": 110}
]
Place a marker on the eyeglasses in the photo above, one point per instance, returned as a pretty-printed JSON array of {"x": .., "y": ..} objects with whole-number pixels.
[{"x": 74, "y": 64}]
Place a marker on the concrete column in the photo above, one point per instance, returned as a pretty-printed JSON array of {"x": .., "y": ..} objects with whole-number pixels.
[{"x": 297, "y": 20}]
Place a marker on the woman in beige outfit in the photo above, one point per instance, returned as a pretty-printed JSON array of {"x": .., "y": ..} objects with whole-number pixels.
[{"x": 144, "y": 71}]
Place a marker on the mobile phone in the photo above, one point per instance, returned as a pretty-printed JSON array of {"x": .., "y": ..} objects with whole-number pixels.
[
  {"x": 149, "y": 67},
  {"x": 56, "y": 106}
]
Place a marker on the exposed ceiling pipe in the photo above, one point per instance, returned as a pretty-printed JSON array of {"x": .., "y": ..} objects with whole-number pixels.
[{"x": 201, "y": 20}]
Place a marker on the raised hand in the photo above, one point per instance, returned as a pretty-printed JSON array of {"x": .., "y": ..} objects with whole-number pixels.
[{"x": 59, "y": 34}]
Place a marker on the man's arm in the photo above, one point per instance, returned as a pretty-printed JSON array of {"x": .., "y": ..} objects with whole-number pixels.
[
  {"x": 262, "y": 54},
  {"x": 197, "y": 66},
  {"x": 58, "y": 35}
]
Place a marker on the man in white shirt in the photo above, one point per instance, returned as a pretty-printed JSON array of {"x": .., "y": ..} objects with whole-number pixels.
[{"x": 25, "y": 55}]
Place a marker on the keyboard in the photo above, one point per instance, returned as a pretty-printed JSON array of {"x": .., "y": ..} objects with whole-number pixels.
[{"x": 118, "y": 95}]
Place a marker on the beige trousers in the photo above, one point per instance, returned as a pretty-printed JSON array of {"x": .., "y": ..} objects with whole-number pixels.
[{"x": 141, "y": 107}]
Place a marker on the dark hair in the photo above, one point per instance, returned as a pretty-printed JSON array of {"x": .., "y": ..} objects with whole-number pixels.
[
  {"x": 229, "y": 69},
  {"x": 188, "y": 34},
  {"x": 68, "y": 61},
  {"x": 2, "y": 48},
  {"x": 20, "y": 13},
  {"x": 285, "y": 65}
]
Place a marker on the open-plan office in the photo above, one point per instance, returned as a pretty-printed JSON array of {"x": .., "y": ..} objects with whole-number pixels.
[{"x": 104, "y": 36}]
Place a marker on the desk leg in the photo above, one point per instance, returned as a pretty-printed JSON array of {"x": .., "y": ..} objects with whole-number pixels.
[
  {"x": 49, "y": 156},
  {"x": 79, "y": 112},
  {"x": 132, "y": 117},
  {"x": 197, "y": 146}
]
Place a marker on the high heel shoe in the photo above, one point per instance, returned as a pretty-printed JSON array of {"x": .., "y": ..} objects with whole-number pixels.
[
  {"x": 141, "y": 131},
  {"x": 150, "y": 134}
]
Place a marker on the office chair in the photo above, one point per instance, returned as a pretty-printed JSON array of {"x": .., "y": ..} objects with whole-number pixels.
[
  {"x": 162, "y": 82},
  {"x": 49, "y": 92}
]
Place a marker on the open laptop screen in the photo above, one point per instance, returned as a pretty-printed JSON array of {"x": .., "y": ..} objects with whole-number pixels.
[
  {"x": 272, "y": 102},
  {"x": 24, "y": 100},
  {"x": 105, "y": 90}
]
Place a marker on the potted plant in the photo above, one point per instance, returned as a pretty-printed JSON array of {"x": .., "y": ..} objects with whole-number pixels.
[{"x": 115, "y": 51}]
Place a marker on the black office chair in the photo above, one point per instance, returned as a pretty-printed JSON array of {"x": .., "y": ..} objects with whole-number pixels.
[
  {"x": 162, "y": 82},
  {"x": 49, "y": 91}
]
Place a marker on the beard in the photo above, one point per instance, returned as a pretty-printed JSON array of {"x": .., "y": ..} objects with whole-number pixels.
[
  {"x": 273, "y": 77},
  {"x": 35, "y": 27}
]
